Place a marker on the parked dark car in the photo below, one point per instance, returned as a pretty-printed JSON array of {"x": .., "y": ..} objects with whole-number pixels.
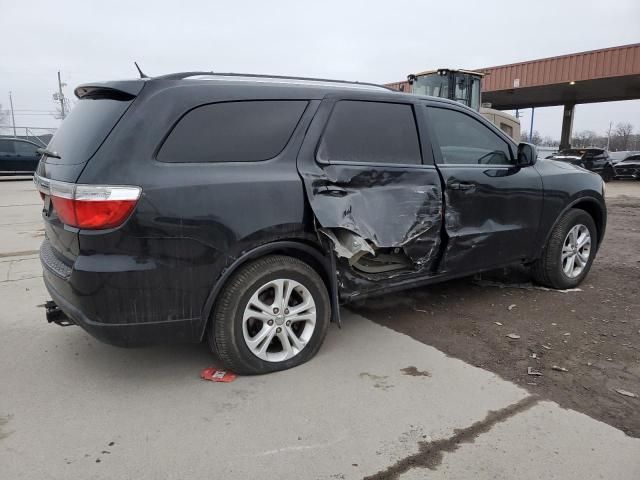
[
  {"x": 18, "y": 157},
  {"x": 628, "y": 168},
  {"x": 246, "y": 209},
  {"x": 595, "y": 160}
]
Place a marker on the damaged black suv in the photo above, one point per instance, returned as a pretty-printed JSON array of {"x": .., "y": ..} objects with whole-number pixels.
[{"x": 244, "y": 209}]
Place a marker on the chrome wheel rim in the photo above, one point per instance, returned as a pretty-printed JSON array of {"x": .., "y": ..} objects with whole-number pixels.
[
  {"x": 279, "y": 320},
  {"x": 576, "y": 250}
]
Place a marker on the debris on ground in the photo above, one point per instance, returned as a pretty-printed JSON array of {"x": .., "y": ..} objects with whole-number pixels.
[
  {"x": 626, "y": 393},
  {"x": 559, "y": 369},
  {"x": 534, "y": 355},
  {"x": 214, "y": 375},
  {"x": 566, "y": 334},
  {"x": 546, "y": 347},
  {"x": 513, "y": 336},
  {"x": 498, "y": 323},
  {"x": 511, "y": 307},
  {"x": 531, "y": 371},
  {"x": 414, "y": 372},
  {"x": 522, "y": 286}
]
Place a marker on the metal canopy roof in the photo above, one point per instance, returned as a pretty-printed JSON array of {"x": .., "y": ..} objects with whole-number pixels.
[{"x": 604, "y": 75}]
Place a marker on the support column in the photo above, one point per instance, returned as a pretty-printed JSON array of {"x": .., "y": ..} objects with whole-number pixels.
[{"x": 567, "y": 126}]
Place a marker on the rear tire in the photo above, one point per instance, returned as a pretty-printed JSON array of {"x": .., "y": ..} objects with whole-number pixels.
[
  {"x": 564, "y": 263},
  {"x": 273, "y": 314}
]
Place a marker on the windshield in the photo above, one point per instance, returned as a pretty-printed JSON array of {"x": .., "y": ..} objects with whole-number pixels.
[
  {"x": 466, "y": 89},
  {"x": 84, "y": 130},
  {"x": 432, "y": 84}
]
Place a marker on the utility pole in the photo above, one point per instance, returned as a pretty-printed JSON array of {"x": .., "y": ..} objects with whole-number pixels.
[
  {"x": 13, "y": 118},
  {"x": 533, "y": 110},
  {"x": 609, "y": 136},
  {"x": 61, "y": 97}
]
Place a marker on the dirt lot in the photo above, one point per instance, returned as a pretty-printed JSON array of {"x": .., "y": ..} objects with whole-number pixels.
[{"x": 594, "y": 333}]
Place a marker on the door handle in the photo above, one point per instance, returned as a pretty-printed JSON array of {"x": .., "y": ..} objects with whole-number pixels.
[
  {"x": 462, "y": 186},
  {"x": 333, "y": 191}
]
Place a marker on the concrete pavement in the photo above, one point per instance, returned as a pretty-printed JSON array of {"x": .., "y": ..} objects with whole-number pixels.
[{"x": 373, "y": 403}]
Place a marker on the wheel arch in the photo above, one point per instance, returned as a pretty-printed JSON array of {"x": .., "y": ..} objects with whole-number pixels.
[
  {"x": 590, "y": 205},
  {"x": 321, "y": 262}
]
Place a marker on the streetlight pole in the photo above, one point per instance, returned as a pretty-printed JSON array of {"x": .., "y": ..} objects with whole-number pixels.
[{"x": 13, "y": 118}]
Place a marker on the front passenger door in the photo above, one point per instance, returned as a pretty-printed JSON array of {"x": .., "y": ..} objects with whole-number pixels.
[{"x": 492, "y": 207}]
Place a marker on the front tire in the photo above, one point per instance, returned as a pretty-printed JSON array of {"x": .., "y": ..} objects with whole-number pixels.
[
  {"x": 273, "y": 314},
  {"x": 569, "y": 252}
]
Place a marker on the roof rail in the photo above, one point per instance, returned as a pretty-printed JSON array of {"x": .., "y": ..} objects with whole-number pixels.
[{"x": 184, "y": 75}]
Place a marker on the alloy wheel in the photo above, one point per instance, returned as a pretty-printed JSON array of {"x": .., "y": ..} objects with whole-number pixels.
[
  {"x": 279, "y": 320},
  {"x": 576, "y": 250}
]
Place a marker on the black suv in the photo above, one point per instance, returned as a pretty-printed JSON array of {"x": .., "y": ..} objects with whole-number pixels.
[
  {"x": 245, "y": 209},
  {"x": 596, "y": 160}
]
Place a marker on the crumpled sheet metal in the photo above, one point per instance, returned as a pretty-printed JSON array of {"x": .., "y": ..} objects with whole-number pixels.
[
  {"x": 347, "y": 244},
  {"x": 388, "y": 207}
]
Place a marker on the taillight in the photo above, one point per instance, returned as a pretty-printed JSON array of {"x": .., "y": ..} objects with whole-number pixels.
[{"x": 94, "y": 207}]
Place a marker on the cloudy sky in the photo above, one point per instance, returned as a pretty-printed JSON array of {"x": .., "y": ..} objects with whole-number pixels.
[{"x": 354, "y": 40}]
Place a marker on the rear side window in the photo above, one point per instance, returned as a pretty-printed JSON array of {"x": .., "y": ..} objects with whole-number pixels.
[
  {"x": 233, "y": 132},
  {"x": 84, "y": 130},
  {"x": 370, "y": 132},
  {"x": 466, "y": 141}
]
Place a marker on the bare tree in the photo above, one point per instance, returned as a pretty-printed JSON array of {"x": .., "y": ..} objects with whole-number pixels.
[
  {"x": 621, "y": 135},
  {"x": 585, "y": 138},
  {"x": 536, "y": 138}
]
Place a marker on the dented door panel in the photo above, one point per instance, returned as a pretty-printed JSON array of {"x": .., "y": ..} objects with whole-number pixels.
[
  {"x": 378, "y": 210},
  {"x": 492, "y": 212},
  {"x": 493, "y": 224}
]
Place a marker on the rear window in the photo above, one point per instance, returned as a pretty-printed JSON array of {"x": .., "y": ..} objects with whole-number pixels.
[
  {"x": 84, "y": 130},
  {"x": 245, "y": 131}
]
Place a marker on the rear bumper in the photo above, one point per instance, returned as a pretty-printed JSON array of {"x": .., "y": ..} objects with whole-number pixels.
[
  {"x": 122, "y": 316},
  {"x": 132, "y": 334}
]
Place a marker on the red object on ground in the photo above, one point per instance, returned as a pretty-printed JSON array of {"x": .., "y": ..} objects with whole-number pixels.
[{"x": 215, "y": 375}]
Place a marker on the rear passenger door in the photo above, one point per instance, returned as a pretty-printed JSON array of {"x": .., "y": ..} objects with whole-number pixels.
[
  {"x": 492, "y": 206},
  {"x": 370, "y": 179}
]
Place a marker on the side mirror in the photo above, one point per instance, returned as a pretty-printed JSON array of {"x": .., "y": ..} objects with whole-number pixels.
[{"x": 527, "y": 154}]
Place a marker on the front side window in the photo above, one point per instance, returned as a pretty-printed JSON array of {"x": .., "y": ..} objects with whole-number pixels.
[
  {"x": 246, "y": 131},
  {"x": 370, "y": 132},
  {"x": 466, "y": 141}
]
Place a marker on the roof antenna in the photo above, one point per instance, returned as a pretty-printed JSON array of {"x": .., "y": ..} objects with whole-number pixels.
[{"x": 142, "y": 75}]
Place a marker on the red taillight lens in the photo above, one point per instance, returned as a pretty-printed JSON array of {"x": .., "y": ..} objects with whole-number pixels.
[
  {"x": 95, "y": 207},
  {"x": 93, "y": 214}
]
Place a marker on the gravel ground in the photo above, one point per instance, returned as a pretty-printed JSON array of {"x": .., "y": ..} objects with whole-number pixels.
[{"x": 594, "y": 333}]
